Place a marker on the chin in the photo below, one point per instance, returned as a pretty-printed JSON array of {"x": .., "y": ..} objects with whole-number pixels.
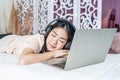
[{"x": 50, "y": 49}]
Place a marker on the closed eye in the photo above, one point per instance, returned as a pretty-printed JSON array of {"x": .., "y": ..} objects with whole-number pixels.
[
  {"x": 62, "y": 40},
  {"x": 53, "y": 35}
]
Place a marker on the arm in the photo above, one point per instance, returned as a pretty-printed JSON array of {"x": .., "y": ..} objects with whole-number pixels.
[{"x": 29, "y": 57}]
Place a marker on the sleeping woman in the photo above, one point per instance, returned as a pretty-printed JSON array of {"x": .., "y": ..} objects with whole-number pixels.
[{"x": 37, "y": 48}]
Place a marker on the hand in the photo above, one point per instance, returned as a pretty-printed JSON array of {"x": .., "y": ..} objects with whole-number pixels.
[{"x": 60, "y": 53}]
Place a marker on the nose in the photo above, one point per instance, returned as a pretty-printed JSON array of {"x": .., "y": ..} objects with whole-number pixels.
[{"x": 55, "y": 40}]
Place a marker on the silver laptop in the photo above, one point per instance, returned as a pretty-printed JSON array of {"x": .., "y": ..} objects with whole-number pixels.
[{"x": 88, "y": 47}]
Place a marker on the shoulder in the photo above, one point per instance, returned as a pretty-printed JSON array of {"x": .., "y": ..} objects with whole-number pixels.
[
  {"x": 9, "y": 37},
  {"x": 35, "y": 36},
  {"x": 38, "y": 37},
  {"x": 35, "y": 41}
]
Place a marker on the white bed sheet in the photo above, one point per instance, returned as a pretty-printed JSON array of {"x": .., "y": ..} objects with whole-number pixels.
[{"x": 10, "y": 70}]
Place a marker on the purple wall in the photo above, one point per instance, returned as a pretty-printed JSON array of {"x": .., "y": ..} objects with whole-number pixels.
[{"x": 108, "y": 4}]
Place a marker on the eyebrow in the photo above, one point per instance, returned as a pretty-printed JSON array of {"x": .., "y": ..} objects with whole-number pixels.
[{"x": 60, "y": 37}]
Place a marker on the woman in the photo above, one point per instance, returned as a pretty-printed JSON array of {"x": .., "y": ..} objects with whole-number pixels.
[{"x": 37, "y": 48}]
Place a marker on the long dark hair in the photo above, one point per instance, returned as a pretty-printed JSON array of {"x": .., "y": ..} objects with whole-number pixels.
[{"x": 70, "y": 28}]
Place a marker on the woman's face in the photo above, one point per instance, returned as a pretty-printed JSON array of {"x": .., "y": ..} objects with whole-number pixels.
[{"x": 56, "y": 39}]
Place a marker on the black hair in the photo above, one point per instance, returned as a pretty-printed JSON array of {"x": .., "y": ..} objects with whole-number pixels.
[{"x": 70, "y": 28}]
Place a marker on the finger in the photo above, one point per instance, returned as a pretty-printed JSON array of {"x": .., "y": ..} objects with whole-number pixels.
[
  {"x": 65, "y": 56},
  {"x": 65, "y": 51},
  {"x": 59, "y": 54}
]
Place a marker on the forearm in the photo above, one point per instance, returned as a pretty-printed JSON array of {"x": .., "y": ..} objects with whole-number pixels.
[
  {"x": 35, "y": 58},
  {"x": 29, "y": 57}
]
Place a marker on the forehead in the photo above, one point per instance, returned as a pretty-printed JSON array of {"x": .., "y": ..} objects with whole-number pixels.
[{"x": 60, "y": 31}]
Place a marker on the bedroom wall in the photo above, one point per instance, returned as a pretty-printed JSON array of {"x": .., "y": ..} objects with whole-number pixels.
[
  {"x": 4, "y": 14},
  {"x": 85, "y": 14},
  {"x": 108, "y": 4}
]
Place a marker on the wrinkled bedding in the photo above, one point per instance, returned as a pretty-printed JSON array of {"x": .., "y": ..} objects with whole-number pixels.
[{"x": 10, "y": 70}]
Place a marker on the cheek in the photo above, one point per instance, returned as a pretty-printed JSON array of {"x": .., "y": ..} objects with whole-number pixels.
[
  {"x": 48, "y": 39},
  {"x": 60, "y": 45}
]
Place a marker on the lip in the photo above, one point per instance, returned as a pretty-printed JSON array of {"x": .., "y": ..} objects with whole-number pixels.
[{"x": 52, "y": 46}]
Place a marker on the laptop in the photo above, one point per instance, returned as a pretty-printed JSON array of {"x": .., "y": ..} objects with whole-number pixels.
[{"x": 88, "y": 47}]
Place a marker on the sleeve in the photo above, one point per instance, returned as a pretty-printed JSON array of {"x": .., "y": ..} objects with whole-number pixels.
[
  {"x": 6, "y": 44},
  {"x": 36, "y": 42}
]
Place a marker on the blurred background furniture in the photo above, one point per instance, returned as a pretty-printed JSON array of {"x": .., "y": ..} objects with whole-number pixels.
[{"x": 109, "y": 21}]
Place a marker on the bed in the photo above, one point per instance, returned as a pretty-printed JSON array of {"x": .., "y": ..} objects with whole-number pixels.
[{"x": 10, "y": 70}]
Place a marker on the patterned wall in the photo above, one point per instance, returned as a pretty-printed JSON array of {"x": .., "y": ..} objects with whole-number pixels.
[
  {"x": 63, "y": 9},
  {"x": 84, "y": 14},
  {"x": 23, "y": 8},
  {"x": 89, "y": 14},
  {"x": 42, "y": 15}
]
